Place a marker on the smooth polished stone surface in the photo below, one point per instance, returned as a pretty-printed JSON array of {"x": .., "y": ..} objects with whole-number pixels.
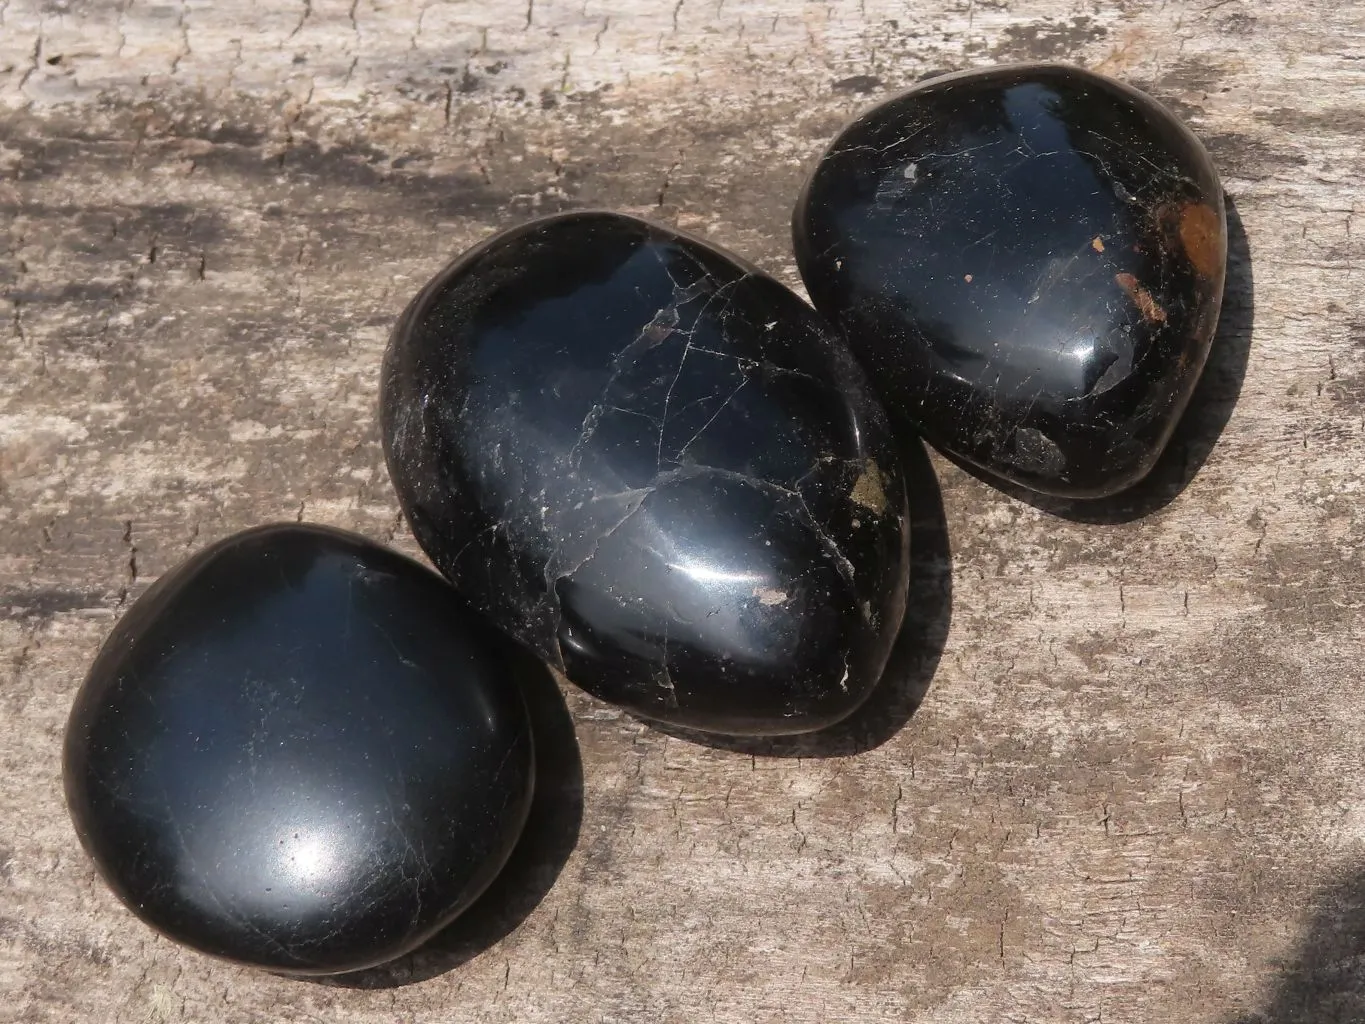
[
  {"x": 1029, "y": 262},
  {"x": 299, "y": 751},
  {"x": 655, "y": 466}
]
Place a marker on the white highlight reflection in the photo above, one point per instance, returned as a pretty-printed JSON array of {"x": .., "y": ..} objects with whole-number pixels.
[{"x": 706, "y": 574}]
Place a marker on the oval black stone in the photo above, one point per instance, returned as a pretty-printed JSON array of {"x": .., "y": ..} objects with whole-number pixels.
[
  {"x": 655, "y": 466},
  {"x": 299, "y": 751},
  {"x": 1029, "y": 261}
]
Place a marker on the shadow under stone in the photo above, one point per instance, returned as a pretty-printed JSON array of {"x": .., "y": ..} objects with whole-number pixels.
[
  {"x": 1324, "y": 982},
  {"x": 549, "y": 838}
]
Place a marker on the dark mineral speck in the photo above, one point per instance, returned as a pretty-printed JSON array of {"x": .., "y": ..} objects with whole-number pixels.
[
  {"x": 299, "y": 751},
  {"x": 655, "y": 466},
  {"x": 1029, "y": 262}
]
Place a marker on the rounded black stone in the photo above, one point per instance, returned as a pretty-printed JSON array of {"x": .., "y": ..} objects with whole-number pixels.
[
  {"x": 655, "y": 466},
  {"x": 1029, "y": 261},
  {"x": 299, "y": 751}
]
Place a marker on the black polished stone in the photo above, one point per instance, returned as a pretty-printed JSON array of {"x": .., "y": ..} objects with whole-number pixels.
[
  {"x": 656, "y": 467},
  {"x": 299, "y": 751},
  {"x": 1029, "y": 261}
]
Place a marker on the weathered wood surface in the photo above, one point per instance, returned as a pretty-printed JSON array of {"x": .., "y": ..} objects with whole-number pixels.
[{"x": 1135, "y": 789}]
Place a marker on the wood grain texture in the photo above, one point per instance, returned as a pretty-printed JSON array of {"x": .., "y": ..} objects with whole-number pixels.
[{"x": 1135, "y": 788}]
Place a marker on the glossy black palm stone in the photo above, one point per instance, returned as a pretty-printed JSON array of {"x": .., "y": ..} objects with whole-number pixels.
[
  {"x": 299, "y": 751},
  {"x": 1029, "y": 261},
  {"x": 656, "y": 467}
]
